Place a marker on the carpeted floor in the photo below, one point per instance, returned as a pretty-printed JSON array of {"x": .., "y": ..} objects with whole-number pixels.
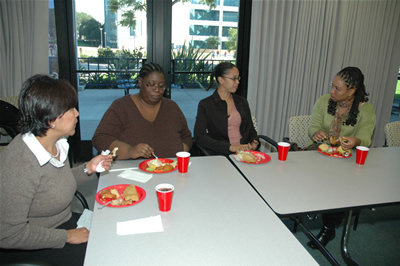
[{"x": 375, "y": 242}]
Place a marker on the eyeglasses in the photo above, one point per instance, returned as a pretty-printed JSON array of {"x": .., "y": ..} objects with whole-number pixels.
[
  {"x": 332, "y": 86},
  {"x": 153, "y": 87},
  {"x": 234, "y": 79}
]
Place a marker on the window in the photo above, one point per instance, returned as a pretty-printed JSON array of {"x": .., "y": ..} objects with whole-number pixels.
[
  {"x": 231, "y": 16},
  {"x": 198, "y": 2},
  {"x": 132, "y": 31},
  {"x": 199, "y": 44},
  {"x": 198, "y": 14},
  {"x": 53, "y": 53},
  {"x": 231, "y": 3},
  {"x": 203, "y": 30},
  {"x": 110, "y": 28},
  {"x": 225, "y": 31}
]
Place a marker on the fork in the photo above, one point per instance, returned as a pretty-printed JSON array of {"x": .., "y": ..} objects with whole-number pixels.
[
  {"x": 101, "y": 207},
  {"x": 154, "y": 155}
]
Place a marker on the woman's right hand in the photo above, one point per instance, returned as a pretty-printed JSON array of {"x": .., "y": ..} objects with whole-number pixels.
[
  {"x": 78, "y": 236},
  {"x": 319, "y": 135},
  {"x": 239, "y": 148},
  {"x": 140, "y": 150}
]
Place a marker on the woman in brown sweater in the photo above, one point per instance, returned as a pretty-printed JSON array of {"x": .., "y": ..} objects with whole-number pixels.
[{"x": 145, "y": 122}]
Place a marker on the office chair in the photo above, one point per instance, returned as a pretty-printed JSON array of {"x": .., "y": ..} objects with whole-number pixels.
[
  {"x": 298, "y": 132},
  {"x": 392, "y": 134}
]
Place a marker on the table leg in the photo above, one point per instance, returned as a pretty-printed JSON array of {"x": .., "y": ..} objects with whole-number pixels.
[
  {"x": 321, "y": 248},
  {"x": 345, "y": 238}
]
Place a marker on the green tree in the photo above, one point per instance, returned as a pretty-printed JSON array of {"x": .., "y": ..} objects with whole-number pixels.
[
  {"x": 212, "y": 42},
  {"x": 90, "y": 30},
  {"x": 130, "y": 7},
  {"x": 232, "y": 39},
  {"x": 81, "y": 17}
]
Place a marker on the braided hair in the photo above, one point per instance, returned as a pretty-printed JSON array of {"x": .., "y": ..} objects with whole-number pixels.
[
  {"x": 354, "y": 78},
  {"x": 149, "y": 68},
  {"x": 220, "y": 70}
]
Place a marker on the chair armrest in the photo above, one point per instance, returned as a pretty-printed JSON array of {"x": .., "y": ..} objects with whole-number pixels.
[
  {"x": 293, "y": 146},
  {"x": 203, "y": 151},
  {"x": 269, "y": 140},
  {"x": 82, "y": 199}
]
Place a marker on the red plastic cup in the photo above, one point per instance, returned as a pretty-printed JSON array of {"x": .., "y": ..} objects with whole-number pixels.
[
  {"x": 362, "y": 153},
  {"x": 283, "y": 149},
  {"x": 183, "y": 161},
  {"x": 164, "y": 196}
]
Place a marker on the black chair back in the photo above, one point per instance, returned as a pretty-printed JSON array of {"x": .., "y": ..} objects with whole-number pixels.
[{"x": 9, "y": 118}]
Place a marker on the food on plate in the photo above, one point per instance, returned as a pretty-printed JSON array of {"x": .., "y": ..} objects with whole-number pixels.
[
  {"x": 246, "y": 156},
  {"x": 333, "y": 140},
  {"x": 168, "y": 167},
  {"x": 107, "y": 194},
  {"x": 323, "y": 147},
  {"x": 130, "y": 193},
  {"x": 343, "y": 152},
  {"x": 157, "y": 166},
  {"x": 120, "y": 201},
  {"x": 334, "y": 151},
  {"x": 114, "y": 152},
  {"x": 115, "y": 192},
  {"x": 155, "y": 163}
]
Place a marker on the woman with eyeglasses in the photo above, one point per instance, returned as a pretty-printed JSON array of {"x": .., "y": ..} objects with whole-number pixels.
[
  {"x": 224, "y": 124},
  {"x": 145, "y": 122},
  {"x": 346, "y": 117}
]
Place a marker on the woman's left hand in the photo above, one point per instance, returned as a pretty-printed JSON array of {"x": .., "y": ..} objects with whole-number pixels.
[
  {"x": 348, "y": 143},
  {"x": 105, "y": 161}
]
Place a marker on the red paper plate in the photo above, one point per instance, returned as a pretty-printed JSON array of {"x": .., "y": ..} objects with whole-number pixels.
[
  {"x": 260, "y": 156},
  {"x": 145, "y": 164},
  {"x": 121, "y": 187},
  {"x": 334, "y": 153}
]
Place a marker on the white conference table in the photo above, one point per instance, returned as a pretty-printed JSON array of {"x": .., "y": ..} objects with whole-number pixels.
[
  {"x": 309, "y": 182},
  {"x": 216, "y": 219}
]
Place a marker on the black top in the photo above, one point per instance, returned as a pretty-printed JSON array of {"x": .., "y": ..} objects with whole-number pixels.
[{"x": 211, "y": 127}]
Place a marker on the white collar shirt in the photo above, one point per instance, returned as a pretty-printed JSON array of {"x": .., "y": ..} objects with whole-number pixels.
[{"x": 42, "y": 155}]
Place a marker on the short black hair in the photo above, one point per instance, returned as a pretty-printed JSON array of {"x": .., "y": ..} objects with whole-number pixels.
[{"x": 42, "y": 100}]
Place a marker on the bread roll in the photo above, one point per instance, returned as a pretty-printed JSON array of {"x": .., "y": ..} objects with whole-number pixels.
[{"x": 130, "y": 193}]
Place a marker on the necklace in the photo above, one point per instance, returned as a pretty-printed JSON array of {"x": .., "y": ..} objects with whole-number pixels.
[{"x": 55, "y": 156}]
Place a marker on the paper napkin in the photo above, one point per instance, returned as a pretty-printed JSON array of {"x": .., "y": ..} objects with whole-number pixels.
[
  {"x": 99, "y": 167},
  {"x": 140, "y": 226},
  {"x": 85, "y": 220},
  {"x": 136, "y": 176}
]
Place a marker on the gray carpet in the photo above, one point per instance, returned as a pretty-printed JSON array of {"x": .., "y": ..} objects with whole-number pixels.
[{"x": 375, "y": 242}]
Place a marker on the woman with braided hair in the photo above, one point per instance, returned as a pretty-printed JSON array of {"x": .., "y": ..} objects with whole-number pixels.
[
  {"x": 346, "y": 116},
  {"x": 145, "y": 122}
]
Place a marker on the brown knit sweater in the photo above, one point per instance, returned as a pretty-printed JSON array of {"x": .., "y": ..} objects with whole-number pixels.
[
  {"x": 34, "y": 199},
  {"x": 123, "y": 121}
]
